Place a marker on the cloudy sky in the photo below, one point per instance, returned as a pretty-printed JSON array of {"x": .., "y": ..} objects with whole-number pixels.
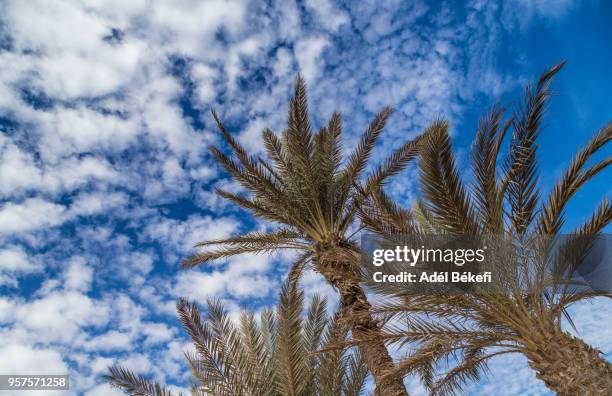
[{"x": 105, "y": 178}]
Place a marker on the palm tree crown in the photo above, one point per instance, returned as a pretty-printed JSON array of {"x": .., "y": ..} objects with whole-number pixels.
[
  {"x": 279, "y": 354},
  {"x": 305, "y": 188},
  {"x": 302, "y": 186},
  {"x": 525, "y": 312}
]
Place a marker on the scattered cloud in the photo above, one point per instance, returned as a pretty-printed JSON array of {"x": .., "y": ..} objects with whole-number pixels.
[{"x": 105, "y": 178}]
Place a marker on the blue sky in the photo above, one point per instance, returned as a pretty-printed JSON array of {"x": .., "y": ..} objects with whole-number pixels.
[{"x": 106, "y": 182}]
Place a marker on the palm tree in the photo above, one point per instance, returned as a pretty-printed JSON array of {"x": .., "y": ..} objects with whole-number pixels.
[
  {"x": 276, "y": 356},
  {"x": 525, "y": 313},
  {"x": 304, "y": 188}
]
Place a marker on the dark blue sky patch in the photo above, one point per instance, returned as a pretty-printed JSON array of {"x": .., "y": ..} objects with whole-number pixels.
[{"x": 116, "y": 36}]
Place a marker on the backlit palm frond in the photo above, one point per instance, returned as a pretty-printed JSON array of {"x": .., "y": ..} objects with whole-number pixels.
[
  {"x": 357, "y": 161},
  {"x": 279, "y": 236},
  {"x": 231, "y": 348},
  {"x": 370, "y": 201},
  {"x": 134, "y": 385},
  {"x": 521, "y": 167},
  {"x": 470, "y": 369},
  {"x": 572, "y": 255},
  {"x": 291, "y": 350},
  {"x": 314, "y": 325},
  {"x": 398, "y": 160},
  {"x": 488, "y": 195},
  {"x": 355, "y": 166},
  {"x": 259, "y": 354},
  {"x": 425, "y": 219},
  {"x": 380, "y": 214},
  {"x": 327, "y": 161},
  {"x": 281, "y": 354},
  {"x": 356, "y": 375},
  {"x": 208, "y": 365},
  {"x": 550, "y": 219},
  {"x": 255, "y": 242},
  {"x": 332, "y": 371},
  {"x": 537, "y": 268},
  {"x": 446, "y": 197},
  {"x": 299, "y": 138},
  {"x": 257, "y": 206}
]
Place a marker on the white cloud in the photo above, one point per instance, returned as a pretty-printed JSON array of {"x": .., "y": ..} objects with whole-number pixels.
[
  {"x": 59, "y": 316},
  {"x": 31, "y": 214},
  {"x": 75, "y": 130},
  {"x": 15, "y": 259},
  {"x": 179, "y": 237},
  {"x": 70, "y": 40},
  {"x": 308, "y": 52},
  {"x": 523, "y": 12},
  {"x": 157, "y": 333},
  {"x": 138, "y": 363},
  {"x": 86, "y": 204},
  {"x": 16, "y": 168},
  {"x": 328, "y": 15},
  {"x": 189, "y": 26},
  {"x": 25, "y": 359},
  {"x": 111, "y": 341},
  {"x": 101, "y": 364},
  {"x": 104, "y": 390},
  {"x": 78, "y": 276},
  {"x": 7, "y": 310},
  {"x": 99, "y": 127},
  {"x": 20, "y": 173},
  {"x": 242, "y": 277}
]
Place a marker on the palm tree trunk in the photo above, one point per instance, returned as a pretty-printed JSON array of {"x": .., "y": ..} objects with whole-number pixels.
[
  {"x": 570, "y": 367},
  {"x": 340, "y": 267},
  {"x": 356, "y": 310}
]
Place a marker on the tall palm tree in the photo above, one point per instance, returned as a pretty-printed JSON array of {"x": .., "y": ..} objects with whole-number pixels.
[
  {"x": 304, "y": 188},
  {"x": 276, "y": 356},
  {"x": 525, "y": 313}
]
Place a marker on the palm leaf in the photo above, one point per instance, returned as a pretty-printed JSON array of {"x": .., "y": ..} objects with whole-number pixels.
[{"x": 132, "y": 384}]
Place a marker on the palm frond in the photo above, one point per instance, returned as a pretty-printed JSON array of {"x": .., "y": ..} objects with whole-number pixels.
[
  {"x": 333, "y": 365},
  {"x": 356, "y": 376},
  {"x": 255, "y": 242},
  {"x": 550, "y": 219},
  {"x": 461, "y": 332},
  {"x": 488, "y": 198},
  {"x": 446, "y": 196},
  {"x": 521, "y": 166},
  {"x": 208, "y": 365},
  {"x": 132, "y": 384},
  {"x": 358, "y": 159},
  {"x": 291, "y": 352}
]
